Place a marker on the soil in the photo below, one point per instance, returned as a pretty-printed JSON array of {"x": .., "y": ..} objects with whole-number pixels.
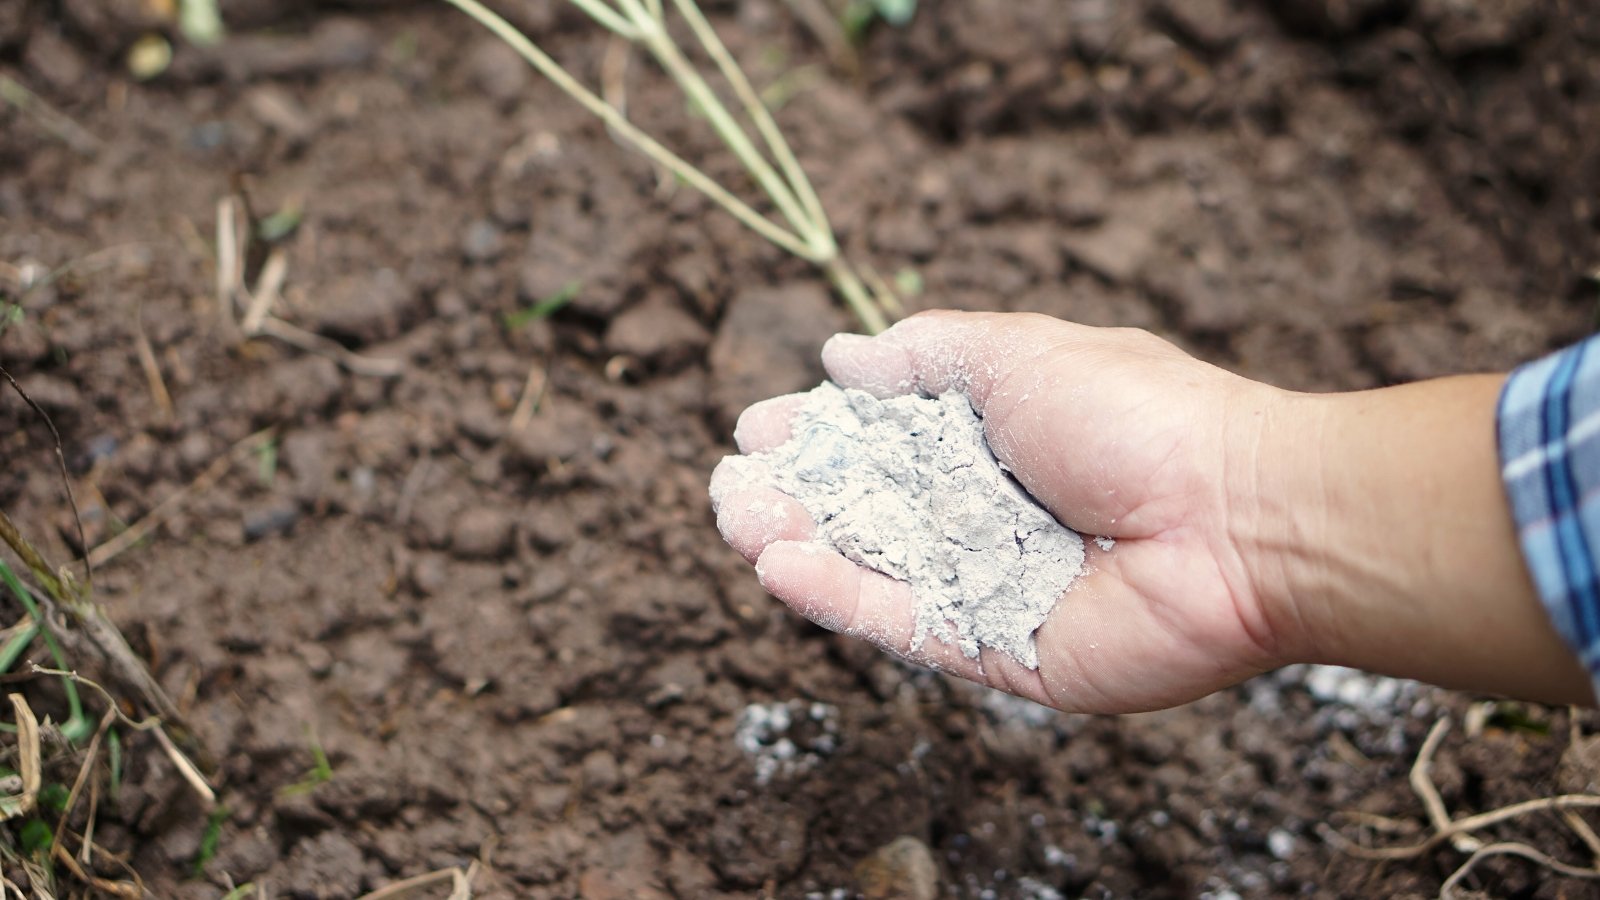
[{"x": 529, "y": 647}]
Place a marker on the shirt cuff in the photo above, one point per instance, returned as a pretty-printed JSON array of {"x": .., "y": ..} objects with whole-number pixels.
[{"x": 1548, "y": 425}]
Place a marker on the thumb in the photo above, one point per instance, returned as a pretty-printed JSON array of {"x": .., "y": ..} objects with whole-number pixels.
[
  {"x": 934, "y": 352},
  {"x": 1025, "y": 376}
]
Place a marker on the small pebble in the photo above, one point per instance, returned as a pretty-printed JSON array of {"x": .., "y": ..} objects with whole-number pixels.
[
  {"x": 275, "y": 518},
  {"x": 600, "y": 772},
  {"x": 903, "y": 869},
  {"x": 428, "y": 575},
  {"x": 483, "y": 241}
]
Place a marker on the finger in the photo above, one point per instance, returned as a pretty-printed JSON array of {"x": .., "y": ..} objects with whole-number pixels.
[
  {"x": 765, "y": 425},
  {"x": 752, "y": 520},
  {"x": 843, "y": 597},
  {"x": 977, "y": 353},
  {"x": 1032, "y": 380},
  {"x": 737, "y": 473},
  {"x": 877, "y": 365}
]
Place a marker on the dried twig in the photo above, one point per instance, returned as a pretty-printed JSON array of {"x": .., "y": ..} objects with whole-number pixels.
[{"x": 66, "y": 477}]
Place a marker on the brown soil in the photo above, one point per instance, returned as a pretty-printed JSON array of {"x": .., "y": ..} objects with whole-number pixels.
[{"x": 532, "y": 648}]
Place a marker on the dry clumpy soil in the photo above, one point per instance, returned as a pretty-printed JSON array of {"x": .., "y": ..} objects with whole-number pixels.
[{"x": 530, "y": 647}]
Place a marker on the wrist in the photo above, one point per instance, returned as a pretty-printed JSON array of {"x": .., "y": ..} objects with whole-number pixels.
[
  {"x": 1278, "y": 517},
  {"x": 1382, "y": 539}
]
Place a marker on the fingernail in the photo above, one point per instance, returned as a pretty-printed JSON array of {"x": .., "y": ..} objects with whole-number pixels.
[{"x": 846, "y": 340}]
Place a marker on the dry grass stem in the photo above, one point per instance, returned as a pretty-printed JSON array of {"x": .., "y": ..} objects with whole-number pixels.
[
  {"x": 51, "y": 119},
  {"x": 37, "y": 567},
  {"x": 258, "y": 320},
  {"x": 112, "y": 888},
  {"x": 533, "y": 391},
  {"x": 885, "y": 295},
  {"x": 151, "y": 725},
  {"x": 86, "y": 852},
  {"x": 619, "y": 123},
  {"x": 29, "y": 762},
  {"x": 805, "y": 230},
  {"x": 90, "y": 755},
  {"x": 164, "y": 510},
  {"x": 1346, "y": 751},
  {"x": 459, "y": 880},
  {"x": 614, "y": 76},
  {"x": 268, "y": 285},
  {"x": 152, "y": 370},
  {"x": 230, "y": 265},
  {"x": 825, "y": 27},
  {"x": 412, "y": 486},
  {"x": 310, "y": 342},
  {"x": 187, "y": 769}
]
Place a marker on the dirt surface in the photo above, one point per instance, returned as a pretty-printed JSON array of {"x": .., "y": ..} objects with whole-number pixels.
[{"x": 528, "y": 646}]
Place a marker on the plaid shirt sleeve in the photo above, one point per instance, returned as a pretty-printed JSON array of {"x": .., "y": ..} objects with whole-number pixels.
[{"x": 1549, "y": 431}]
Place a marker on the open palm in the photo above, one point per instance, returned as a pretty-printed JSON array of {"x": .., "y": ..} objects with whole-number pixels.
[{"x": 1118, "y": 434}]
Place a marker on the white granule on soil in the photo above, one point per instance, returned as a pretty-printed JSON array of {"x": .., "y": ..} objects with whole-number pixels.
[
  {"x": 768, "y": 733},
  {"x": 909, "y": 487}
]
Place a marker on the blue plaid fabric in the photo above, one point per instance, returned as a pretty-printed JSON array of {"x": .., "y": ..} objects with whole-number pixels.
[{"x": 1549, "y": 424}]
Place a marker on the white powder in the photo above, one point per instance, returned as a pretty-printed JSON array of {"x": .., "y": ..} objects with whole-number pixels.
[
  {"x": 786, "y": 739},
  {"x": 908, "y": 487}
]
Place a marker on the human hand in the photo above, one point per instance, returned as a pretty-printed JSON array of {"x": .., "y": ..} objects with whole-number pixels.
[
  {"x": 1254, "y": 527},
  {"x": 1117, "y": 433}
]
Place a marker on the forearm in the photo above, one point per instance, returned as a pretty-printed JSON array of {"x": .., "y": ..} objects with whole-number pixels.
[{"x": 1393, "y": 548}]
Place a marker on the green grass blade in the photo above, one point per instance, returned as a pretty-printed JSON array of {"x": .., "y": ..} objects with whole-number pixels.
[{"x": 545, "y": 308}]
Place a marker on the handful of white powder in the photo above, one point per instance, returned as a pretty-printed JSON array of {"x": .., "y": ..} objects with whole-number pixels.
[{"x": 908, "y": 487}]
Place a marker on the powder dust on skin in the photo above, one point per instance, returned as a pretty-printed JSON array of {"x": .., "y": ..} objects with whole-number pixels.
[{"x": 908, "y": 486}]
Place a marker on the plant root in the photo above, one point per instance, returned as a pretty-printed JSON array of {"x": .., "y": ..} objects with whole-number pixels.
[{"x": 1459, "y": 833}]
